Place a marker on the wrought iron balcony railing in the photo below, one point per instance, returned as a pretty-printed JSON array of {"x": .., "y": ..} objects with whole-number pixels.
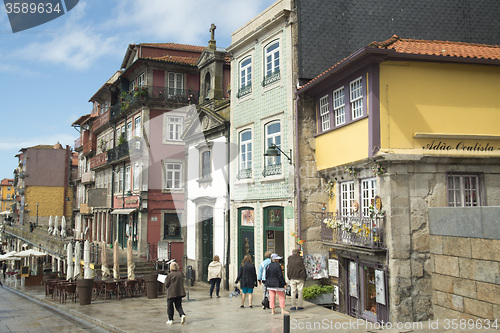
[
  {"x": 118, "y": 153},
  {"x": 245, "y": 90},
  {"x": 244, "y": 174},
  {"x": 360, "y": 231},
  {"x": 271, "y": 78},
  {"x": 272, "y": 170}
]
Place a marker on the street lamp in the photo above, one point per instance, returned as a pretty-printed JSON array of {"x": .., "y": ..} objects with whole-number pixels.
[
  {"x": 36, "y": 214},
  {"x": 274, "y": 151}
]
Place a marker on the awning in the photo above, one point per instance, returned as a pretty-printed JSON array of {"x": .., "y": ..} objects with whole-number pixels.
[
  {"x": 123, "y": 211},
  {"x": 5, "y": 212}
]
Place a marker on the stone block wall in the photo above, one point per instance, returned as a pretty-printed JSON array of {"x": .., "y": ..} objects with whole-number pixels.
[{"x": 465, "y": 277}]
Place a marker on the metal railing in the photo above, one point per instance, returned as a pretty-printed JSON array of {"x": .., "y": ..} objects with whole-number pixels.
[
  {"x": 245, "y": 90},
  {"x": 244, "y": 174},
  {"x": 271, "y": 78},
  {"x": 359, "y": 231},
  {"x": 272, "y": 170}
]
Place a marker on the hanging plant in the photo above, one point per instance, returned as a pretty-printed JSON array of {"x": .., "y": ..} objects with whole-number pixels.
[
  {"x": 378, "y": 170},
  {"x": 330, "y": 189},
  {"x": 353, "y": 172}
]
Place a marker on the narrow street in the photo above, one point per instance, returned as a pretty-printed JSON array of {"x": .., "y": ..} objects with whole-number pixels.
[{"x": 19, "y": 314}]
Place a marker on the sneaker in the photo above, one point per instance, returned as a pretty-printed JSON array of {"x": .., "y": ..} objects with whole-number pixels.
[
  {"x": 170, "y": 322},
  {"x": 183, "y": 319},
  {"x": 294, "y": 308},
  {"x": 300, "y": 308}
]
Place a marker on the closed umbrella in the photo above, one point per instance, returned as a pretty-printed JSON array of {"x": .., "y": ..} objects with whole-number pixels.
[
  {"x": 87, "y": 271},
  {"x": 78, "y": 256},
  {"x": 70, "y": 270},
  {"x": 116, "y": 264},
  {"x": 63, "y": 227},
  {"x": 130, "y": 261},
  {"x": 104, "y": 262},
  {"x": 51, "y": 225},
  {"x": 56, "y": 226}
]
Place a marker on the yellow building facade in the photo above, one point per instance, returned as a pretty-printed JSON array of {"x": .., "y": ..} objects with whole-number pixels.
[{"x": 7, "y": 194}]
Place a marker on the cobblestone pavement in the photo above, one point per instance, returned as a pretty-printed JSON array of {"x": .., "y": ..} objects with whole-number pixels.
[{"x": 204, "y": 314}]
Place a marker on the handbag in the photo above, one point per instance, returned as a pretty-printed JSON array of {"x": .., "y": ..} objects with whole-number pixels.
[
  {"x": 265, "y": 302},
  {"x": 288, "y": 290}
]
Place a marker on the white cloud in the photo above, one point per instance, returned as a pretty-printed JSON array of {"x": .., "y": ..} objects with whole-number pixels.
[{"x": 15, "y": 144}]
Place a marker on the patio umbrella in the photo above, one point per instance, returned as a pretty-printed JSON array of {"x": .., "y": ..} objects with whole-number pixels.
[
  {"x": 63, "y": 227},
  {"x": 130, "y": 261},
  {"x": 70, "y": 270},
  {"x": 104, "y": 262},
  {"x": 116, "y": 264},
  {"x": 78, "y": 255},
  {"x": 87, "y": 271},
  {"x": 30, "y": 253},
  {"x": 51, "y": 225},
  {"x": 56, "y": 226},
  {"x": 9, "y": 256}
]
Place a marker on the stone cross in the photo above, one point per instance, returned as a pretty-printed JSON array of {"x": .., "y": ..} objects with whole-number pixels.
[{"x": 212, "y": 31}]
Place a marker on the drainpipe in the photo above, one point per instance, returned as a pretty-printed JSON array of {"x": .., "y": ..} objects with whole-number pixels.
[
  {"x": 297, "y": 165},
  {"x": 227, "y": 216}
]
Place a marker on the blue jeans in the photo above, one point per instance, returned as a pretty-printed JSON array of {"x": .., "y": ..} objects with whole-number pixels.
[{"x": 215, "y": 283}]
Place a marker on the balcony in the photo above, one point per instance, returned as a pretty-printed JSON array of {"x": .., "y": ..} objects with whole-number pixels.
[
  {"x": 88, "y": 177},
  {"x": 271, "y": 78},
  {"x": 272, "y": 170},
  {"x": 353, "y": 231},
  {"x": 130, "y": 148},
  {"x": 98, "y": 197},
  {"x": 99, "y": 160},
  {"x": 245, "y": 90},
  {"x": 78, "y": 144},
  {"x": 150, "y": 95},
  {"x": 244, "y": 174},
  {"x": 101, "y": 121},
  {"x": 89, "y": 146}
]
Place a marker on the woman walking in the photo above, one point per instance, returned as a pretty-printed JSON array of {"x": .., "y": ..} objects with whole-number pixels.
[
  {"x": 215, "y": 275},
  {"x": 248, "y": 277},
  {"x": 175, "y": 292},
  {"x": 275, "y": 283}
]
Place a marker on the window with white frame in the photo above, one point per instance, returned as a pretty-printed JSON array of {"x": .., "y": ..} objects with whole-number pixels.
[
  {"x": 173, "y": 128},
  {"x": 127, "y": 178},
  {"x": 368, "y": 192},
  {"x": 347, "y": 198},
  {"x": 129, "y": 131},
  {"x": 324, "y": 112},
  {"x": 110, "y": 181},
  {"x": 339, "y": 106},
  {"x": 246, "y": 73},
  {"x": 356, "y": 91},
  {"x": 137, "y": 126},
  {"x": 119, "y": 180},
  {"x": 132, "y": 85},
  {"x": 172, "y": 175},
  {"x": 141, "y": 80},
  {"x": 464, "y": 190},
  {"x": 137, "y": 176},
  {"x": 272, "y": 57},
  {"x": 111, "y": 140},
  {"x": 206, "y": 164},
  {"x": 175, "y": 83},
  {"x": 273, "y": 136},
  {"x": 245, "y": 154}
]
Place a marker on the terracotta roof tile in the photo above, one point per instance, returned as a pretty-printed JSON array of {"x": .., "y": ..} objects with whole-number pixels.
[
  {"x": 178, "y": 60},
  {"x": 175, "y": 46},
  {"x": 426, "y": 47},
  {"x": 441, "y": 48}
]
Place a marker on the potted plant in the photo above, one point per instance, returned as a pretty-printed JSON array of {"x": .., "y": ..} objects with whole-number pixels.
[
  {"x": 140, "y": 91},
  {"x": 319, "y": 294}
]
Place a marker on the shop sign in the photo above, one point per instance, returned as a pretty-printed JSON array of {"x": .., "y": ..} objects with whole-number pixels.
[
  {"x": 461, "y": 146},
  {"x": 380, "y": 286}
]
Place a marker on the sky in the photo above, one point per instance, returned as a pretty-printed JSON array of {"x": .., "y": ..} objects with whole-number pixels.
[{"x": 52, "y": 70}]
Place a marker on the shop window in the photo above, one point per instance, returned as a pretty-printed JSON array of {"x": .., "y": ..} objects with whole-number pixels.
[{"x": 171, "y": 225}]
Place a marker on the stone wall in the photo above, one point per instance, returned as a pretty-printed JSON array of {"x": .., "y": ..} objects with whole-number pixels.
[{"x": 466, "y": 267}]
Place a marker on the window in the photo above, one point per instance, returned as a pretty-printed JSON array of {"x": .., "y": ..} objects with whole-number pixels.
[
  {"x": 173, "y": 128},
  {"x": 463, "y": 190},
  {"x": 368, "y": 190},
  {"x": 245, "y": 77},
  {"x": 245, "y": 154},
  {"x": 110, "y": 181},
  {"x": 324, "y": 113},
  {"x": 129, "y": 130},
  {"x": 173, "y": 176},
  {"x": 137, "y": 173},
  {"x": 141, "y": 80},
  {"x": 272, "y": 58},
  {"x": 104, "y": 107},
  {"x": 273, "y": 136},
  {"x": 347, "y": 198},
  {"x": 119, "y": 180},
  {"x": 127, "y": 178},
  {"x": 206, "y": 164},
  {"x": 356, "y": 90},
  {"x": 175, "y": 84},
  {"x": 171, "y": 225},
  {"x": 339, "y": 106},
  {"x": 137, "y": 126}
]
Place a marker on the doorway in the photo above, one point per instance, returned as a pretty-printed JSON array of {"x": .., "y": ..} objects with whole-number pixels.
[
  {"x": 207, "y": 246},
  {"x": 274, "y": 239}
]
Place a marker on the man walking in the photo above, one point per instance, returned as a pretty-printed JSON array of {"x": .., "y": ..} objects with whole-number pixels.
[
  {"x": 261, "y": 276},
  {"x": 296, "y": 272}
]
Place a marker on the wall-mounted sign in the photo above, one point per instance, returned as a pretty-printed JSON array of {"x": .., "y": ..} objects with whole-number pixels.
[
  {"x": 380, "y": 286},
  {"x": 378, "y": 202},
  {"x": 461, "y": 146},
  {"x": 333, "y": 267}
]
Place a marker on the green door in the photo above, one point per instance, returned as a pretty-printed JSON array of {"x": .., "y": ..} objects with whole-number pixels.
[
  {"x": 207, "y": 225},
  {"x": 122, "y": 230}
]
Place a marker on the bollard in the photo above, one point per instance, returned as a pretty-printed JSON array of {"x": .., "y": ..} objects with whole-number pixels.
[{"x": 286, "y": 323}]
